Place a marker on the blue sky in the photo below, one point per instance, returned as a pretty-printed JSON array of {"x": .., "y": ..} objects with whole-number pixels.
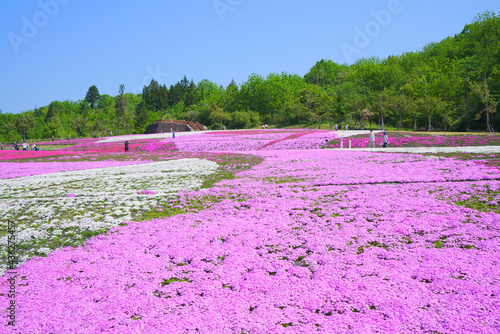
[{"x": 56, "y": 49}]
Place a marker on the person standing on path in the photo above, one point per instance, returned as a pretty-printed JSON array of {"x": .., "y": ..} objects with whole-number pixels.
[
  {"x": 386, "y": 139},
  {"x": 126, "y": 146},
  {"x": 371, "y": 143},
  {"x": 173, "y": 133}
]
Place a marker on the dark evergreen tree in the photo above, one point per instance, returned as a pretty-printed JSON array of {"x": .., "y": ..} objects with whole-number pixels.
[
  {"x": 155, "y": 96},
  {"x": 176, "y": 94},
  {"x": 190, "y": 96},
  {"x": 121, "y": 103},
  {"x": 92, "y": 96},
  {"x": 164, "y": 97},
  {"x": 184, "y": 84},
  {"x": 141, "y": 117}
]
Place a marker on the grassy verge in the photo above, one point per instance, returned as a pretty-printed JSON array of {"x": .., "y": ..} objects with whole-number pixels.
[
  {"x": 487, "y": 159},
  {"x": 55, "y": 147}
]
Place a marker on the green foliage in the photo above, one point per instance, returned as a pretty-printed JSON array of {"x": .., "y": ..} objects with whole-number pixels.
[
  {"x": 326, "y": 73},
  {"x": 244, "y": 119},
  {"x": 80, "y": 126},
  {"x": 55, "y": 109},
  {"x": 217, "y": 114},
  {"x": 24, "y": 123},
  {"x": 315, "y": 104}
]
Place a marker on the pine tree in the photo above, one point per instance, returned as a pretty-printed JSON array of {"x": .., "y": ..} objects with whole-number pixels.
[
  {"x": 121, "y": 104},
  {"x": 92, "y": 96},
  {"x": 141, "y": 117}
]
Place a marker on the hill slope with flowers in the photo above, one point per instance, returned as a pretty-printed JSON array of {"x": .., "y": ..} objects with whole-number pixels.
[{"x": 297, "y": 240}]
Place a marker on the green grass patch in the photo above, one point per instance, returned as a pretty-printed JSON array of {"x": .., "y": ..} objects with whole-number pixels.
[{"x": 280, "y": 180}]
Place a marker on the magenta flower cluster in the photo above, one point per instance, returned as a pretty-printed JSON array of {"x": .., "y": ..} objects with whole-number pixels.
[
  {"x": 254, "y": 140},
  {"x": 158, "y": 146},
  {"x": 420, "y": 141},
  {"x": 294, "y": 136},
  {"x": 223, "y": 142},
  {"x": 113, "y": 147},
  {"x": 304, "y": 141},
  {"x": 146, "y": 192},
  {"x": 15, "y": 155}
]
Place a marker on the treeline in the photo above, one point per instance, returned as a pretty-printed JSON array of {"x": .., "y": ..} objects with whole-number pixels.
[{"x": 453, "y": 85}]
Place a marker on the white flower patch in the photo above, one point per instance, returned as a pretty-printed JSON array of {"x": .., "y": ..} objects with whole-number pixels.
[{"x": 49, "y": 210}]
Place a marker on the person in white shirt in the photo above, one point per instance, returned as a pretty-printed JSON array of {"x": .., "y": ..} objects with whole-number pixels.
[
  {"x": 386, "y": 139},
  {"x": 371, "y": 143}
]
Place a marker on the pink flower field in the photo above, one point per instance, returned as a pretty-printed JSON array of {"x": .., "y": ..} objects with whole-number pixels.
[{"x": 305, "y": 241}]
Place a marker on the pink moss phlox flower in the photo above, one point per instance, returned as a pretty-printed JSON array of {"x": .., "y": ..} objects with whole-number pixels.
[
  {"x": 304, "y": 141},
  {"x": 146, "y": 192},
  {"x": 159, "y": 146},
  {"x": 15, "y": 155}
]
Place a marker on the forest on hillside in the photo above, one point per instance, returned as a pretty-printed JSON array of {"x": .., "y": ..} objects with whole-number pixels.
[{"x": 452, "y": 85}]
